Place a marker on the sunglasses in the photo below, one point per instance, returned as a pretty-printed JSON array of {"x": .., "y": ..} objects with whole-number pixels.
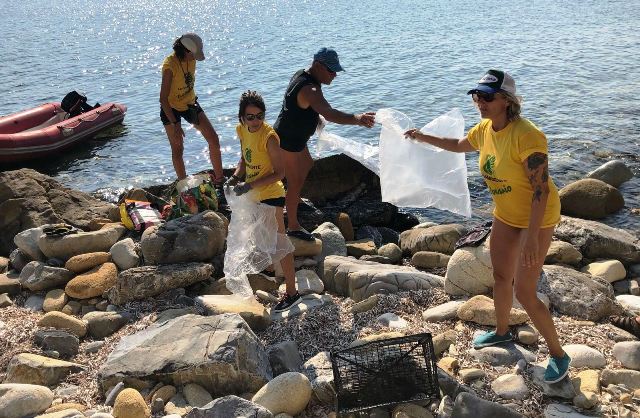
[
  {"x": 485, "y": 97},
  {"x": 327, "y": 68},
  {"x": 251, "y": 117}
]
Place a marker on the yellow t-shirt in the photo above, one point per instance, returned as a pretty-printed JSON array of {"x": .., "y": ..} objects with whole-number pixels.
[
  {"x": 182, "y": 93},
  {"x": 501, "y": 156},
  {"x": 257, "y": 161}
]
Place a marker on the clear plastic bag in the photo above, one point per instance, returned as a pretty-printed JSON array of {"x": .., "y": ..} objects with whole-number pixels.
[
  {"x": 365, "y": 154},
  {"x": 415, "y": 174},
  {"x": 412, "y": 174},
  {"x": 253, "y": 241}
]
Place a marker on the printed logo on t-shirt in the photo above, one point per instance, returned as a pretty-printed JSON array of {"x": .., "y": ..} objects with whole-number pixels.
[
  {"x": 489, "y": 164},
  {"x": 488, "y": 170},
  {"x": 247, "y": 155}
]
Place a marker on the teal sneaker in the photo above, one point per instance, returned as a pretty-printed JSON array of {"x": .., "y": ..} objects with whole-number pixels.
[
  {"x": 491, "y": 338},
  {"x": 557, "y": 368}
]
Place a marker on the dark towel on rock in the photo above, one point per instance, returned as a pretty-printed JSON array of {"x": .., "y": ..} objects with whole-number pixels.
[{"x": 475, "y": 236}]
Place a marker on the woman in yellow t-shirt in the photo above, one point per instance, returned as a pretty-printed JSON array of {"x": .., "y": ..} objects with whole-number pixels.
[
  {"x": 513, "y": 162},
  {"x": 178, "y": 100},
  {"x": 262, "y": 167}
]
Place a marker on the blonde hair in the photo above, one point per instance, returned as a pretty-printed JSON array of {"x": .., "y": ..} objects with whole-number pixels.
[{"x": 514, "y": 107}]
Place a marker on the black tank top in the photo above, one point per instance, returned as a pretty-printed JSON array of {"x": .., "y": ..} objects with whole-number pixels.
[{"x": 295, "y": 124}]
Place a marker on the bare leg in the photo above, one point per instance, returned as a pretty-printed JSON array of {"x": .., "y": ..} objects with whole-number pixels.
[
  {"x": 177, "y": 150},
  {"x": 504, "y": 249},
  {"x": 206, "y": 129},
  {"x": 526, "y": 282},
  {"x": 287, "y": 262},
  {"x": 297, "y": 166}
]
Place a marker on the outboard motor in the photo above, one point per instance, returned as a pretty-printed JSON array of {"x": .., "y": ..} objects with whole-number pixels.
[{"x": 75, "y": 103}]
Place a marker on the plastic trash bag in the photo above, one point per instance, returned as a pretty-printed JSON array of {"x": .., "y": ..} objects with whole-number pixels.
[
  {"x": 364, "y": 153},
  {"x": 412, "y": 174},
  {"x": 253, "y": 241},
  {"x": 419, "y": 175}
]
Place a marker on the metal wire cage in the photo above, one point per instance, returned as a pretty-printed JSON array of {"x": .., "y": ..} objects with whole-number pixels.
[{"x": 385, "y": 372}]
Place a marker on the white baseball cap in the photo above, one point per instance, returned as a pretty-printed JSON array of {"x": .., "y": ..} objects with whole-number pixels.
[{"x": 193, "y": 43}]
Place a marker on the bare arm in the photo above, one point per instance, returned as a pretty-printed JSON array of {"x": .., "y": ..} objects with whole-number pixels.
[
  {"x": 165, "y": 88},
  {"x": 311, "y": 96},
  {"x": 536, "y": 166},
  {"x": 449, "y": 144},
  {"x": 240, "y": 169},
  {"x": 273, "y": 149}
]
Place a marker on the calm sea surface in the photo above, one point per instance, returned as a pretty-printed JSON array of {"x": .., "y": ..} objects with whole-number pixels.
[{"x": 576, "y": 64}]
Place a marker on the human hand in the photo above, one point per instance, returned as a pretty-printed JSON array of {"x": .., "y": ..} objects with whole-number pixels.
[
  {"x": 177, "y": 129},
  {"x": 241, "y": 188},
  {"x": 366, "y": 119},
  {"x": 412, "y": 133},
  {"x": 529, "y": 252}
]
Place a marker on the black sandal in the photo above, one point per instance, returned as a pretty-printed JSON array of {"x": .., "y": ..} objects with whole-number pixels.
[
  {"x": 303, "y": 235},
  {"x": 627, "y": 323}
]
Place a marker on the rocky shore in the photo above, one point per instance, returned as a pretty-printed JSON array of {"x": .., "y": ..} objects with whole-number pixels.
[{"x": 107, "y": 322}]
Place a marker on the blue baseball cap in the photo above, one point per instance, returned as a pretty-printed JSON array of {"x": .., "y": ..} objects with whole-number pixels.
[{"x": 329, "y": 58}]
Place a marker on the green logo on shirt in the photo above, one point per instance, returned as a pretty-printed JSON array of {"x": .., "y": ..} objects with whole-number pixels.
[
  {"x": 247, "y": 155},
  {"x": 489, "y": 164}
]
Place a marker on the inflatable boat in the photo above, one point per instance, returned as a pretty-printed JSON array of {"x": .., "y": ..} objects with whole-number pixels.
[{"x": 47, "y": 129}]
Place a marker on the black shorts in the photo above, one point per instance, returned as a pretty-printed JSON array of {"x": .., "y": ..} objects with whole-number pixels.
[
  {"x": 190, "y": 115},
  {"x": 278, "y": 202},
  {"x": 293, "y": 144}
]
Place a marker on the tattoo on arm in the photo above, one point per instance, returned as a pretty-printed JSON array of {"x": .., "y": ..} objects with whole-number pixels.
[{"x": 538, "y": 173}]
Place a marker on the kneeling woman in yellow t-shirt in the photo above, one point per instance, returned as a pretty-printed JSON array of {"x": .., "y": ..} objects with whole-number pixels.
[{"x": 261, "y": 165}]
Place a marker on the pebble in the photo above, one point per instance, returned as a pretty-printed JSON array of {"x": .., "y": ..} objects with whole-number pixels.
[{"x": 392, "y": 320}]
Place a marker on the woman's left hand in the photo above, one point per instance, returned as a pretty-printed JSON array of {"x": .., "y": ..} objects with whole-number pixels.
[{"x": 529, "y": 253}]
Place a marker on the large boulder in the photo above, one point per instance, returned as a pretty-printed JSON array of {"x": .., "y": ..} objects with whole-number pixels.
[
  {"x": 85, "y": 262},
  {"x": 219, "y": 353},
  {"x": 199, "y": 237},
  {"x": 27, "y": 242},
  {"x": 287, "y": 393},
  {"x": 29, "y": 199},
  {"x": 21, "y": 400},
  {"x": 333, "y": 243},
  {"x": 471, "y": 406},
  {"x": 230, "y": 406},
  {"x": 561, "y": 252},
  {"x": 256, "y": 316},
  {"x": 590, "y": 199},
  {"x": 599, "y": 241},
  {"x": 360, "y": 279},
  {"x": 480, "y": 309},
  {"x": 147, "y": 281},
  {"x": 576, "y": 294},
  {"x": 469, "y": 271},
  {"x": 613, "y": 173},
  {"x": 67, "y": 246},
  {"x": 38, "y": 370},
  {"x": 92, "y": 283},
  {"x": 333, "y": 176},
  {"x": 37, "y": 276},
  {"x": 439, "y": 238}
]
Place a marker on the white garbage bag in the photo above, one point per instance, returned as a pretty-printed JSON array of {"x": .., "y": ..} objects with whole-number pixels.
[
  {"x": 253, "y": 241},
  {"x": 419, "y": 175}
]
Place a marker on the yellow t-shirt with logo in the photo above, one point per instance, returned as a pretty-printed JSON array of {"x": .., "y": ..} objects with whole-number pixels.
[
  {"x": 257, "y": 161},
  {"x": 182, "y": 93},
  {"x": 501, "y": 160}
]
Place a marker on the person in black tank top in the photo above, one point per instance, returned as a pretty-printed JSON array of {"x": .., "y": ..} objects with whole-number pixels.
[{"x": 300, "y": 114}]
